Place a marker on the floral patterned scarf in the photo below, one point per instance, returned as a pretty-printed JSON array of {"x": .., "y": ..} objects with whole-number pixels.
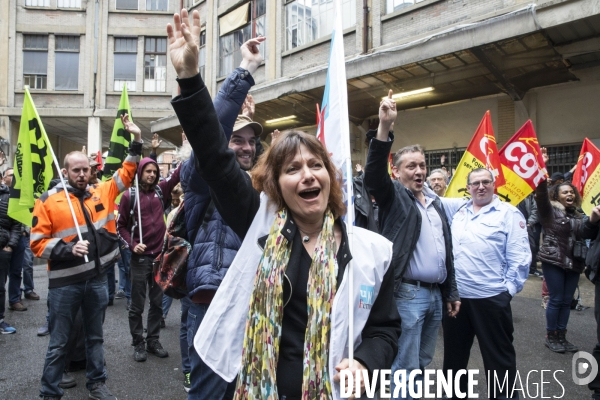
[{"x": 257, "y": 377}]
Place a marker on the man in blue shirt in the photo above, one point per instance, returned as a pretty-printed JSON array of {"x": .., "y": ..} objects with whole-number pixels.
[{"x": 491, "y": 261}]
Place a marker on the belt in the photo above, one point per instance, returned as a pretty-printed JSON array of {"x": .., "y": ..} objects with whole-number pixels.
[{"x": 419, "y": 283}]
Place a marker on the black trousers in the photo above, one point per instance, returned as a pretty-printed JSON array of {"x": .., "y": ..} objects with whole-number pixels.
[
  {"x": 140, "y": 273},
  {"x": 490, "y": 319},
  {"x": 595, "y": 384}
]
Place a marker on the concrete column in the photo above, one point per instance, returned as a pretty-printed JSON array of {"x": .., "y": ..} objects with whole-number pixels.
[
  {"x": 94, "y": 139},
  {"x": 271, "y": 45}
]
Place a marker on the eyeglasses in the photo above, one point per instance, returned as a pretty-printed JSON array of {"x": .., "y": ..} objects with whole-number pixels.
[{"x": 485, "y": 183}]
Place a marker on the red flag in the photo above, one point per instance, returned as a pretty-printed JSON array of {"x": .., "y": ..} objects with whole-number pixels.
[
  {"x": 99, "y": 159},
  {"x": 588, "y": 161}
]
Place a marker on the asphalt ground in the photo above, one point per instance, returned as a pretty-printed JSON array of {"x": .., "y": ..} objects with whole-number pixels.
[{"x": 22, "y": 354}]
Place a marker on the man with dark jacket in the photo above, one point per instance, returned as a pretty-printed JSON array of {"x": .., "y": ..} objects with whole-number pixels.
[
  {"x": 10, "y": 234},
  {"x": 412, "y": 218},
  {"x": 151, "y": 205},
  {"x": 214, "y": 243}
]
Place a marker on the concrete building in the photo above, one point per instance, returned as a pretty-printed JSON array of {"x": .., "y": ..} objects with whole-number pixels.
[
  {"x": 518, "y": 58},
  {"x": 76, "y": 55},
  {"x": 521, "y": 59}
]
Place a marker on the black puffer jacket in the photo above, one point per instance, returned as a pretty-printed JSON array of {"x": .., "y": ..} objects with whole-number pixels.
[
  {"x": 558, "y": 224},
  {"x": 10, "y": 230}
]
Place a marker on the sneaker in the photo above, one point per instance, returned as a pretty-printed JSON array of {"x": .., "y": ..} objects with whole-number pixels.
[
  {"x": 32, "y": 296},
  {"x": 154, "y": 347},
  {"x": 67, "y": 381},
  {"x": 162, "y": 323},
  {"x": 44, "y": 330},
  {"x": 6, "y": 329},
  {"x": 17, "y": 307},
  {"x": 139, "y": 352},
  {"x": 120, "y": 295},
  {"x": 99, "y": 391},
  {"x": 537, "y": 273},
  {"x": 187, "y": 385}
]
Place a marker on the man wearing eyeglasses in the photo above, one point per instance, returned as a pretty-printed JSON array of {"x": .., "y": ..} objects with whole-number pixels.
[{"x": 491, "y": 261}]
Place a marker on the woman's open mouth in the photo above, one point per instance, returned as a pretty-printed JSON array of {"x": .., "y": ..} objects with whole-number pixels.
[{"x": 310, "y": 194}]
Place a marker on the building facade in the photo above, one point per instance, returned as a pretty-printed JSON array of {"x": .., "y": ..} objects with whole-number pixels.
[{"x": 450, "y": 60}]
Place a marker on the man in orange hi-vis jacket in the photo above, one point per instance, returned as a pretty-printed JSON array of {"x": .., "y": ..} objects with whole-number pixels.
[{"x": 73, "y": 281}]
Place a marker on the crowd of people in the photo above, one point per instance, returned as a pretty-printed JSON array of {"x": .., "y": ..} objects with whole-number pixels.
[{"x": 265, "y": 313}]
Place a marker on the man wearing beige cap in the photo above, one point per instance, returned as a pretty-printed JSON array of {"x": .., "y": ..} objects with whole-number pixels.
[{"x": 246, "y": 133}]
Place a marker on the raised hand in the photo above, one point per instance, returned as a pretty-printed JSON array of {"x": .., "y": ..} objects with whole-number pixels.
[
  {"x": 155, "y": 142},
  {"x": 387, "y": 110},
  {"x": 358, "y": 168},
  {"x": 595, "y": 215},
  {"x": 131, "y": 127},
  {"x": 183, "y": 43},
  {"x": 248, "y": 107},
  {"x": 545, "y": 156},
  {"x": 251, "y": 57},
  {"x": 275, "y": 135}
]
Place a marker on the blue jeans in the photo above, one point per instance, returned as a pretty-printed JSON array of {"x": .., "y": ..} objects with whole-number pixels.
[
  {"x": 166, "y": 305},
  {"x": 64, "y": 302},
  {"x": 110, "y": 281},
  {"x": 124, "y": 281},
  {"x": 561, "y": 285},
  {"x": 28, "y": 268},
  {"x": 420, "y": 309},
  {"x": 183, "y": 331},
  {"x": 16, "y": 267},
  {"x": 206, "y": 385}
]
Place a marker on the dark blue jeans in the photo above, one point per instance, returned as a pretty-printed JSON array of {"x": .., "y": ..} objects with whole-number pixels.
[
  {"x": 561, "y": 285},
  {"x": 110, "y": 281},
  {"x": 28, "y": 268},
  {"x": 4, "y": 268},
  {"x": 124, "y": 281},
  {"x": 64, "y": 302},
  {"x": 206, "y": 385},
  {"x": 16, "y": 267},
  {"x": 183, "y": 331}
]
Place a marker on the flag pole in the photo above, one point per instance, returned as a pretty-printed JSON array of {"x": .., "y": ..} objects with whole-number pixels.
[
  {"x": 139, "y": 210},
  {"x": 62, "y": 181}
]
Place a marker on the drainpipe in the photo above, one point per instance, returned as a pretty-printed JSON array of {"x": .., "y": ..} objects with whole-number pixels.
[{"x": 365, "y": 26}]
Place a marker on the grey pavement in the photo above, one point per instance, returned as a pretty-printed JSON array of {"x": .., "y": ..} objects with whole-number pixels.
[{"x": 22, "y": 354}]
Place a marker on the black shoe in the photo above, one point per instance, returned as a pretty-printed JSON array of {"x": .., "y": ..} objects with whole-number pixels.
[
  {"x": 50, "y": 398},
  {"x": 154, "y": 347},
  {"x": 536, "y": 272},
  {"x": 110, "y": 302},
  {"x": 162, "y": 323},
  {"x": 568, "y": 346},
  {"x": 552, "y": 342},
  {"x": 99, "y": 391},
  {"x": 139, "y": 352},
  {"x": 67, "y": 381}
]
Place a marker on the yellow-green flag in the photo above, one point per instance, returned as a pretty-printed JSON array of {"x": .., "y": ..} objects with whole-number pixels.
[
  {"x": 119, "y": 140},
  {"x": 33, "y": 164}
]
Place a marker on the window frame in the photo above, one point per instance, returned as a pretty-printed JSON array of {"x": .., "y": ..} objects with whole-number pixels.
[
  {"x": 202, "y": 53},
  {"x": 71, "y": 50},
  {"x": 409, "y": 3},
  {"x": 127, "y": 9},
  {"x": 156, "y": 53},
  {"x": 118, "y": 83},
  {"x": 40, "y": 81}
]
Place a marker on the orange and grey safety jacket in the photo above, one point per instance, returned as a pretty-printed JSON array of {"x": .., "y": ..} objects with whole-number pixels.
[{"x": 53, "y": 233}]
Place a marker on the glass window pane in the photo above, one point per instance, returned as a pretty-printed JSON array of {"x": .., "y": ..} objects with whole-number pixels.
[
  {"x": 35, "y": 62},
  {"x": 35, "y": 42},
  {"x": 126, "y": 45},
  {"x": 68, "y": 3},
  {"x": 161, "y": 45},
  {"x": 66, "y": 73},
  {"x": 67, "y": 43},
  {"x": 126, "y": 4},
  {"x": 125, "y": 67},
  {"x": 37, "y": 3}
]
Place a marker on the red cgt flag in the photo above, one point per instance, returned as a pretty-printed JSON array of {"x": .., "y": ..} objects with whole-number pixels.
[{"x": 587, "y": 176}]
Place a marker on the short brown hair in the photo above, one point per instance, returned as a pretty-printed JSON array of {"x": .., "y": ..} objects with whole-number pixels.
[
  {"x": 414, "y": 148},
  {"x": 265, "y": 176}
]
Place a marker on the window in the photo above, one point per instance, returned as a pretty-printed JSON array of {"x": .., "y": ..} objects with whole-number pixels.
[
  {"x": 308, "y": 20},
  {"x": 125, "y": 59},
  {"x": 395, "y": 5},
  {"x": 202, "y": 55},
  {"x": 37, "y": 3},
  {"x": 230, "y": 56},
  {"x": 66, "y": 71},
  {"x": 69, "y": 4},
  {"x": 157, "y": 5},
  {"x": 35, "y": 61},
  {"x": 155, "y": 65},
  {"x": 126, "y": 4}
]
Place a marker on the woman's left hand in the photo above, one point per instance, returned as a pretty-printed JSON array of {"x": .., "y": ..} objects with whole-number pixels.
[{"x": 356, "y": 366}]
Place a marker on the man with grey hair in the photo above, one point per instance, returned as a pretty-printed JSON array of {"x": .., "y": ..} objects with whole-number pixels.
[
  {"x": 411, "y": 216},
  {"x": 438, "y": 181},
  {"x": 491, "y": 259}
]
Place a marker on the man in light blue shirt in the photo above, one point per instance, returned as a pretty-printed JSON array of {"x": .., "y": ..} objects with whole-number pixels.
[{"x": 491, "y": 260}]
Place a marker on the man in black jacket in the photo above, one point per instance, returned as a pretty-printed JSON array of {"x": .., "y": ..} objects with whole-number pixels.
[
  {"x": 10, "y": 233},
  {"x": 412, "y": 218}
]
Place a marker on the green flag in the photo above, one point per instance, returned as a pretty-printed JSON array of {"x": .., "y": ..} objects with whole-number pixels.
[
  {"x": 33, "y": 164},
  {"x": 119, "y": 140}
]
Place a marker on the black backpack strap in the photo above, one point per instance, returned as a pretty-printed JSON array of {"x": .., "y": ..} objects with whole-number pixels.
[{"x": 159, "y": 193}]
